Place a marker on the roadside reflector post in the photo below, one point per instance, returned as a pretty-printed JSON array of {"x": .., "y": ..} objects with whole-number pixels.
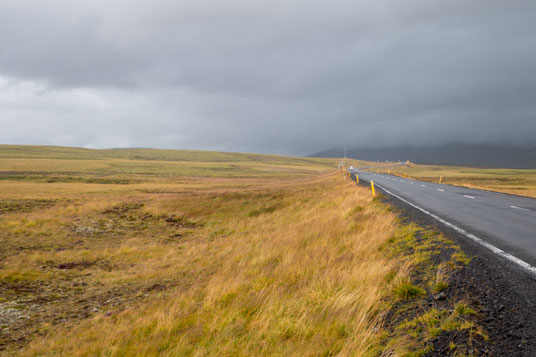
[
  {"x": 356, "y": 178},
  {"x": 389, "y": 171},
  {"x": 440, "y": 179},
  {"x": 372, "y": 187},
  {"x": 349, "y": 174},
  {"x": 405, "y": 174}
]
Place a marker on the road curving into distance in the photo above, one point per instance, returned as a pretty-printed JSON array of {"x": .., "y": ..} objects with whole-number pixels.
[{"x": 505, "y": 224}]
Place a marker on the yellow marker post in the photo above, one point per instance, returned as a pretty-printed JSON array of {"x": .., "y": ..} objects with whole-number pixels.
[
  {"x": 405, "y": 175},
  {"x": 440, "y": 179},
  {"x": 349, "y": 174},
  {"x": 389, "y": 171},
  {"x": 356, "y": 178},
  {"x": 372, "y": 187}
]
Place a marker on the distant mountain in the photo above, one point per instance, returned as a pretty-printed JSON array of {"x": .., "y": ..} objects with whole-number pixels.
[{"x": 450, "y": 154}]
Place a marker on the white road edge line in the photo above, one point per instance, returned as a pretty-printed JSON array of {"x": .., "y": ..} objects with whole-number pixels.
[
  {"x": 521, "y": 208},
  {"x": 440, "y": 189},
  {"x": 468, "y": 196},
  {"x": 521, "y": 263},
  {"x": 423, "y": 185}
]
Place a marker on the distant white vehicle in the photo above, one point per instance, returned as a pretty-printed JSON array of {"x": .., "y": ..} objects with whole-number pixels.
[{"x": 351, "y": 168}]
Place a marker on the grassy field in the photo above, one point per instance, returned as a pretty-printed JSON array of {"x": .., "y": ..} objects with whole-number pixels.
[
  {"x": 65, "y": 153},
  {"x": 232, "y": 254},
  {"x": 513, "y": 181}
]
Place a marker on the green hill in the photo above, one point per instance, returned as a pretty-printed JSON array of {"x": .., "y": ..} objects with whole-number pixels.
[{"x": 59, "y": 152}]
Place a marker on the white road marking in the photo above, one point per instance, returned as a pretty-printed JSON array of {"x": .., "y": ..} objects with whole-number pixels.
[
  {"x": 439, "y": 189},
  {"x": 468, "y": 196},
  {"x": 411, "y": 182},
  {"x": 423, "y": 185},
  {"x": 524, "y": 209},
  {"x": 521, "y": 263}
]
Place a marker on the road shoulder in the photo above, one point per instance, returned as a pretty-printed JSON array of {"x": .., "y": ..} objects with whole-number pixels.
[{"x": 505, "y": 295}]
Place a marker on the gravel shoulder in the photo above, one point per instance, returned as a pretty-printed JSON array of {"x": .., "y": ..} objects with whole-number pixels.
[{"x": 504, "y": 295}]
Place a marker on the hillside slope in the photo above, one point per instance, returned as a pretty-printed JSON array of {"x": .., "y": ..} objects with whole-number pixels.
[{"x": 59, "y": 152}]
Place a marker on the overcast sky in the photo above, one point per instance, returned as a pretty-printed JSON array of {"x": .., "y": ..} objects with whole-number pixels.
[{"x": 273, "y": 76}]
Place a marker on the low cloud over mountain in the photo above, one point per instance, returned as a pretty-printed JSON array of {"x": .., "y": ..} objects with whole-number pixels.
[{"x": 449, "y": 154}]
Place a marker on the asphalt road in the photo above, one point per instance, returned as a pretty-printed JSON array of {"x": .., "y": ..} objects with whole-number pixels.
[{"x": 502, "y": 221}]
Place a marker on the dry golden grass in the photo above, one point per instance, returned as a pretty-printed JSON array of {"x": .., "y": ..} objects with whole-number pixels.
[
  {"x": 261, "y": 255},
  {"x": 278, "y": 265},
  {"x": 281, "y": 270},
  {"x": 266, "y": 255}
]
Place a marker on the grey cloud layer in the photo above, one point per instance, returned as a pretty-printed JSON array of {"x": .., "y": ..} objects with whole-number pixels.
[{"x": 270, "y": 76}]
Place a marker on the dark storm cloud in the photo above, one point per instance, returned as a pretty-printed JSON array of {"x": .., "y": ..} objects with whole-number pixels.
[{"x": 272, "y": 76}]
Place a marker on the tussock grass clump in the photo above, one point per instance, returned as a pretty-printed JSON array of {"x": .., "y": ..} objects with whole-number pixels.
[
  {"x": 440, "y": 283},
  {"x": 405, "y": 291},
  {"x": 463, "y": 310},
  {"x": 439, "y": 287}
]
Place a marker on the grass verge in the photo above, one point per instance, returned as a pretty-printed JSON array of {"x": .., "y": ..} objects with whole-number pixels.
[{"x": 423, "y": 310}]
